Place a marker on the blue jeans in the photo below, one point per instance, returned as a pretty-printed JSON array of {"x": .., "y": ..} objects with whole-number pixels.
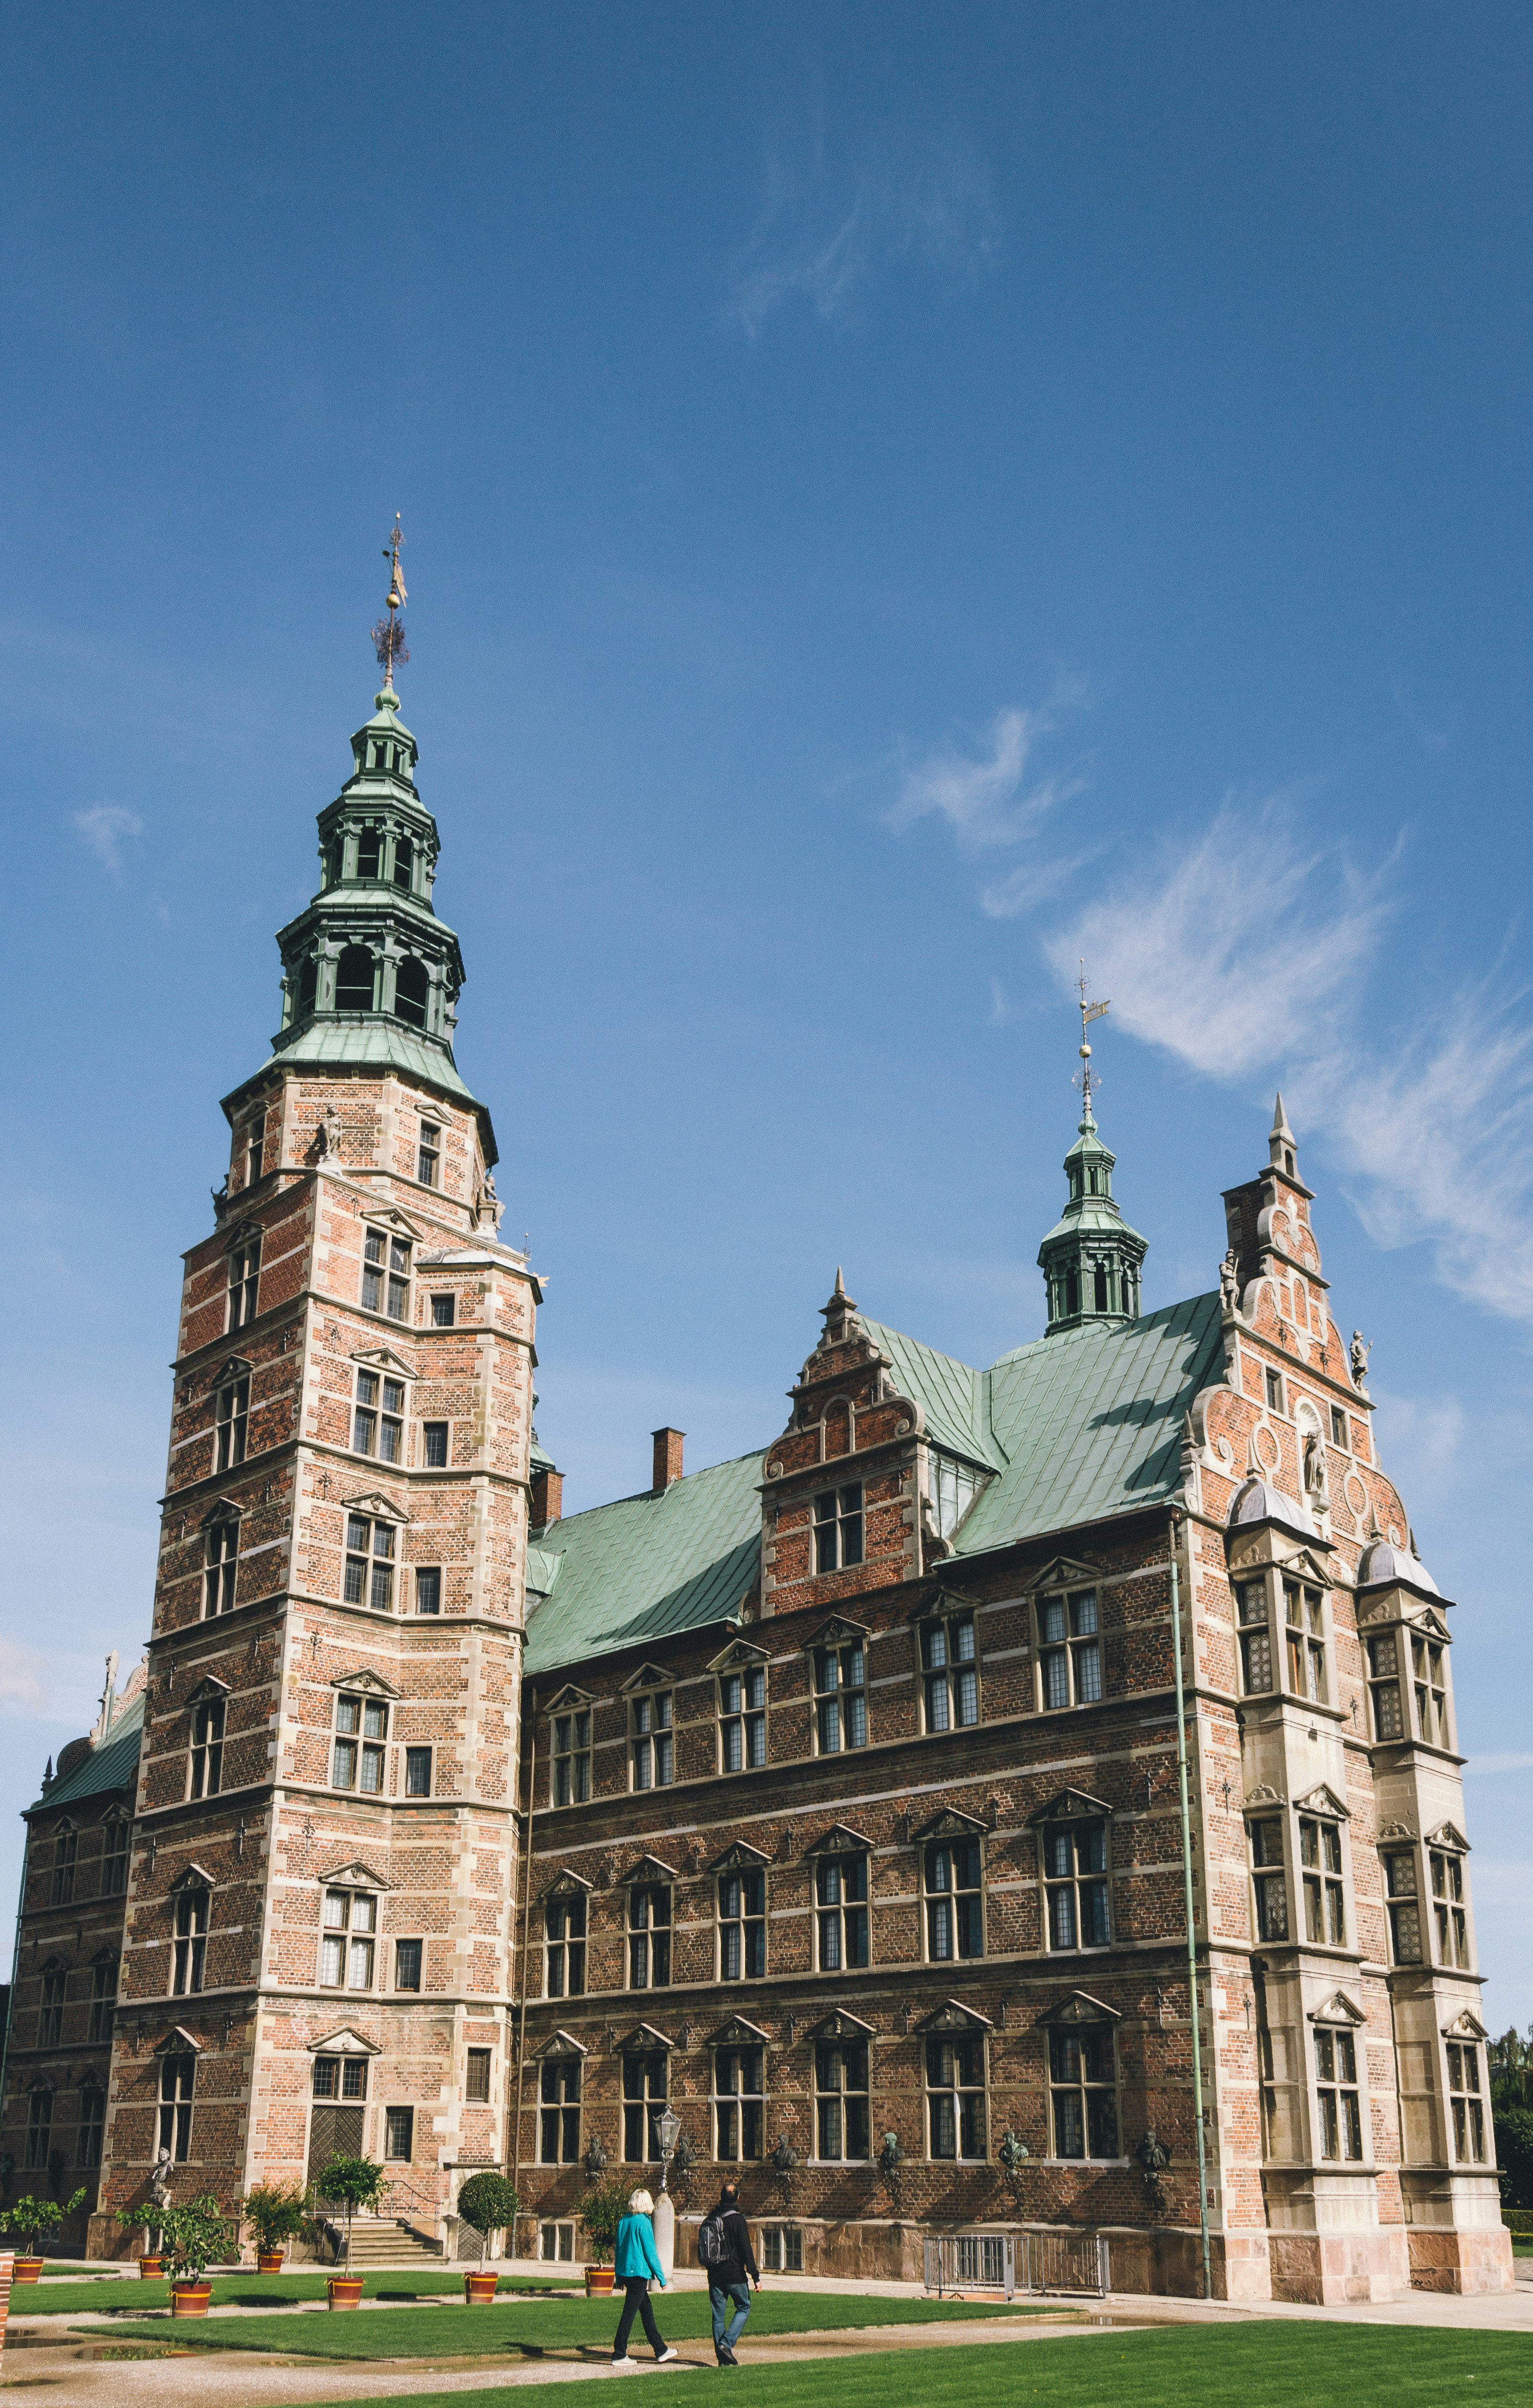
[{"x": 719, "y": 2296}]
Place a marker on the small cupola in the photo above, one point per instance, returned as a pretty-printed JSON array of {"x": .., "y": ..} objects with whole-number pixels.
[{"x": 1091, "y": 1258}]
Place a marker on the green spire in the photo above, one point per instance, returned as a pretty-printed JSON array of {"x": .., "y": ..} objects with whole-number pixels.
[{"x": 1091, "y": 1257}]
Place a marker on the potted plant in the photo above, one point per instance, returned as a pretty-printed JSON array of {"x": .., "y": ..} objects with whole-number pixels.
[
  {"x": 352, "y": 2183},
  {"x": 36, "y": 2220},
  {"x": 601, "y": 2211},
  {"x": 277, "y": 2212},
  {"x": 141, "y": 2218},
  {"x": 193, "y": 2235},
  {"x": 489, "y": 2202}
]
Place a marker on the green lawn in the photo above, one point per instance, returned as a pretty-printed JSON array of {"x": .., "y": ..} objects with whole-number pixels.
[
  {"x": 132, "y": 2296},
  {"x": 1265, "y": 2365},
  {"x": 537, "y": 2328}
]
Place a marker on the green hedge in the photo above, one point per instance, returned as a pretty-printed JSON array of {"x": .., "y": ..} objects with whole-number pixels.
[{"x": 1519, "y": 2220}]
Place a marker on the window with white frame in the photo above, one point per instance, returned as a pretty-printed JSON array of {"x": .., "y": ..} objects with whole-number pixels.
[
  {"x": 954, "y": 1900},
  {"x": 428, "y": 1154},
  {"x": 417, "y": 1771},
  {"x": 653, "y": 1747},
  {"x": 1083, "y": 2091},
  {"x": 255, "y": 1149},
  {"x": 1304, "y": 1615},
  {"x": 840, "y": 1697},
  {"x": 244, "y": 1282},
  {"x": 398, "y": 2135},
  {"x": 114, "y": 1855},
  {"x": 205, "y": 1776},
  {"x": 739, "y": 2108},
  {"x": 1383, "y": 1680},
  {"x": 478, "y": 2069},
  {"x": 1448, "y": 1910},
  {"x": 407, "y": 1964},
  {"x": 348, "y": 1940},
  {"x": 955, "y": 2094},
  {"x": 232, "y": 1422},
  {"x": 178, "y": 2083},
  {"x": 358, "y": 1751},
  {"x": 838, "y": 1528},
  {"x": 556, "y": 2243},
  {"x": 742, "y": 1718},
  {"x": 103, "y": 1999},
  {"x": 1075, "y": 1878},
  {"x": 436, "y": 1445},
  {"x": 645, "y": 2090},
  {"x": 783, "y": 2249},
  {"x": 954, "y": 1488},
  {"x": 559, "y": 2111},
  {"x": 1273, "y": 1382},
  {"x": 378, "y": 1417},
  {"x": 1341, "y": 2106},
  {"x": 570, "y": 1756},
  {"x": 841, "y": 2119},
  {"x": 1466, "y": 2102},
  {"x": 222, "y": 1558},
  {"x": 1429, "y": 1683},
  {"x": 1251, "y": 1607},
  {"x": 742, "y": 1925},
  {"x": 840, "y": 1910},
  {"x": 564, "y": 1944},
  {"x": 385, "y": 1275},
  {"x": 1069, "y": 1650},
  {"x": 39, "y": 2129},
  {"x": 949, "y": 1672},
  {"x": 1269, "y": 1881},
  {"x": 444, "y": 1310},
  {"x": 428, "y": 1589},
  {"x": 369, "y": 1562},
  {"x": 1340, "y": 1432},
  {"x": 1320, "y": 1875},
  {"x": 339, "y": 2077},
  {"x": 1404, "y": 1905},
  {"x": 649, "y": 1936},
  {"x": 190, "y": 1945}
]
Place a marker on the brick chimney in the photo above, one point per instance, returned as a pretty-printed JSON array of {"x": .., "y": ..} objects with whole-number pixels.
[
  {"x": 546, "y": 1502},
  {"x": 667, "y": 1458}
]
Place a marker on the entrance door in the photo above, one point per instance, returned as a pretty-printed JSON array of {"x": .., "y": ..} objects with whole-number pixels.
[{"x": 333, "y": 2132}]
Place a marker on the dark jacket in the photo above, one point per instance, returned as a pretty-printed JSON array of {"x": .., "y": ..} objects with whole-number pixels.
[{"x": 740, "y": 2259}]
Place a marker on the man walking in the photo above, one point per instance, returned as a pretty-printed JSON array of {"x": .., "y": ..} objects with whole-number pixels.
[{"x": 724, "y": 2251}]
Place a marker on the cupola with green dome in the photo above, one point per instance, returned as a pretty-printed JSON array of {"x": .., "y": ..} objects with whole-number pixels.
[{"x": 1091, "y": 1258}]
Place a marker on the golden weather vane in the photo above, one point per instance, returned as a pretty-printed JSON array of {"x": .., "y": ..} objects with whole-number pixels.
[
  {"x": 1089, "y": 1012},
  {"x": 388, "y": 634}
]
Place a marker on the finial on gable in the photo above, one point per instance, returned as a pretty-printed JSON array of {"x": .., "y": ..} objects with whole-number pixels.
[{"x": 1280, "y": 1142}]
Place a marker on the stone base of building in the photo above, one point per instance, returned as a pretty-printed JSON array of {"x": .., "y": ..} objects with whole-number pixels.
[
  {"x": 1329, "y": 2269},
  {"x": 1465, "y": 2263}
]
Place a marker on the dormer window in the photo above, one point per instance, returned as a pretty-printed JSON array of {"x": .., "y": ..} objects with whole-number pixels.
[
  {"x": 1452, "y": 1927},
  {"x": 1304, "y": 1612},
  {"x": 1431, "y": 1691},
  {"x": 838, "y": 1528}
]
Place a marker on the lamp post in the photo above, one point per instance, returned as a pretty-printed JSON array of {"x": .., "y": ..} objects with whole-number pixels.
[{"x": 668, "y": 2131}]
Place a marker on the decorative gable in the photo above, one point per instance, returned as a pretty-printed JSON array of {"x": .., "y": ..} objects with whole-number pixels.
[
  {"x": 1338, "y": 2008},
  {"x": 1070, "y": 1805},
  {"x": 372, "y": 1502},
  {"x": 953, "y": 2016},
  {"x": 193, "y": 1877},
  {"x": 1432, "y": 1624},
  {"x": 1448, "y": 1835},
  {"x": 383, "y": 1358},
  {"x": 568, "y": 1885},
  {"x": 1396, "y": 1830},
  {"x": 735, "y": 1658},
  {"x": 1063, "y": 1571},
  {"x": 372, "y": 1683},
  {"x": 839, "y": 1632},
  {"x": 207, "y": 1687},
  {"x": 562, "y": 2043},
  {"x": 1080, "y": 2007},
  {"x": 388, "y": 1216},
  {"x": 646, "y": 2036},
  {"x": 1466, "y": 2025},
  {"x": 648, "y": 1870},
  {"x": 178, "y": 2041},
  {"x": 649, "y": 1676},
  {"x": 738, "y": 2032},
  {"x": 238, "y": 1367},
  {"x": 840, "y": 2025},
  {"x": 344, "y": 2042},
  {"x": 1323, "y": 1799},
  {"x": 569, "y": 1696},
  {"x": 1262, "y": 1798},
  {"x": 356, "y": 1875},
  {"x": 223, "y": 1508},
  {"x": 740, "y": 1858},
  {"x": 837, "y": 1842}
]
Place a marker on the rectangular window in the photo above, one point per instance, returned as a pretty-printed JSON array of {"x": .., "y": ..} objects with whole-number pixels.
[
  {"x": 428, "y": 1154},
  {"x": 742, "y": 1926},
  {"x": 649, "y": 1936},
  {"x": 1256, "y": 1638},
  {"x": 572, "y": 1757},
  {"x": 840, "y": 1697},
  {"x": 417, "y": 1771},
  {"x": 1340, "y": 2111},
  {"x": 232, "y": 1427},
  {"x": 653, "y": 1748},
  {"x": 357, "y": 1758},
  {"x": 325, "y": 2079},
  {"x": 950, "y": 1671},
  {"x": 50, "y": 2016},
  {"x": 1384, "y": 1672},
  {"x": 1075, "y": 1878},
  {"x": 476, "y": 2087},
  {"x": 563, "y": 1925},
  {"x": 103, "y": 1999},
  {"x": 556, "y": 2243},
  {"x": 742, "y": 1718},
  {"x": 346, "y": 1940},
  {"x": 244, "y": 1283},
  {"x": 1340, "y": 1435},
  {"x": 191, "y": 1942},
  {"x": 840, "y": 2101},
  {"x": 178, "y": 2080},
  {"x": 434, "y": 1444},
  {"x": 340, "y": 2077},
  {"x": 739, "y": 2106},
  {"x": 1070, "y": 1654},
  {"x": 1269, "y": 1880},
  {"x": 645, "y": 2089},
  {"x": 398, "y": 2134},
  {"x": 65, "y": 1850},
  {"x": 1274, "y": 1391},
  {"x": 559, "y": 2111},
  {"x": 428, "y": 1589},
  {"x": 1430, "y": 1685},
  {"x": 206, "y": 1765},
  {"x": 255, "y": 1152},
  {"x": 370, "y": 1563},
  {"x": 955, "y": 2105},
  {"x": 443, "y": 1311},
  {"x": 1468, "y": 2112},
  {"x": 218, "y": 1579},
  {"x": 840, "y": 1897},
  {"x": 385, "y": 1275},
  {"x": 838, "y": 1528},
  {"x": 1404, "y": 1907},
  {"x": 114, "y": 1857},
  {"x": 1452, "y": 1929},
  {"x": 1304, "y": 1615},
  {"x": 783, "y": 2249},
  {"x": 378, "y": 1425},
  {"x": 1325, "y": 1898},
  {"x": 1082, "y": 2084},
  {"x": 407, "y": 1964},
  {"x": 89, "y": 2131},
  {"x": 955, "y": 1909},
  {"x": 39, "y": 2129}
]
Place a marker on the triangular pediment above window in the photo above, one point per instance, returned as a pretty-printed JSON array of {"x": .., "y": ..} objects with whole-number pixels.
[
  {"x": 740, "y": 1858},
  {"x": 54, "y": 1964},
  {"x": 223, "y": 1508},
  {"x": 1431, "y": 1624},
  {"x": 241, "y": 1233},
  {"x": 738, "y": 2032},
  {"x": 1261, "y": 1798},
  {"x": 1080, "y": 2007},
  {"x": 648, "y": 1871},
  {"x": 737, "y": 1656},
  {"x": 1063, "y": 1571},
  {"x": 1466, "y": 2025},
  {"x": 356, "y": 1875},
  {"x": 192, "y": 1877},
  {"x": 209, "y": 1686},
  {"x": 1323, "y": 1799},
  {"x": 944, "y": 1601},
  {"x": 176, "y": 2043},
  {"x": 569, "y": 1695},
  {"x": 646, "y": 2036},
  {"x": 568, "y": 1885},
  {"x": 839, "y": 2025},
  {"x": 1338, "y": 2008},
  {"x": 1396, "y": 1830},
  {"x": 562, "y": 2043},
  {"x": 839, "y": 1632},
  {"x": 388, "y": 1216},
  {"x": 383, "y": 1358},
  {"x": 1304, "y": 1566},
  {"x": 238, "y": 1366},
  {"x": 953, "y": 2016},
  {"x": 1447, "y": 1835},
  {"x": 649, "y": 1676},
  {"x": 344, "y": 2042},
  {"x": 373, "y": 1503},
  {"x": 840, "y": 1841},
  {"x": 372, "y": 1683},
  {"x": 951, "y": 1825},
  {"x": 1071, "y": 1806}
]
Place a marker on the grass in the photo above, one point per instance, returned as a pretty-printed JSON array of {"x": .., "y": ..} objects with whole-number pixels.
[
  {"x": 540, "y": 2328},
  {"x": 1270, "y": 2364},
  {"x": 132, "y": 2296}
]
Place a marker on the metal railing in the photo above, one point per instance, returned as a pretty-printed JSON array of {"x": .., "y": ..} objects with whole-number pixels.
[{"x": 957, "y": 2263}]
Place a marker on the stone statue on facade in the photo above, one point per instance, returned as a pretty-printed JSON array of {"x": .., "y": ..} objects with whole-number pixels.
[
  {"x": 1361, "y": 1350},
  {"x": 1229, "y": 1283}
]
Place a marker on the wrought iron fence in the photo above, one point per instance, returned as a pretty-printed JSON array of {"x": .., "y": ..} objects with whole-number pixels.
[{"x": 957, "y": 2263}]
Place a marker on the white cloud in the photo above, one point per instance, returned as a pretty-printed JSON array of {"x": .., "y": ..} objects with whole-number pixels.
[
  {"x": 1500, "y": 1764},
  {"x": 104, "y": 827},
  {"x": 981, "y": 792},
  {"x": 22, "y": 1672},
  {"x": 1420, "y": 1436}
]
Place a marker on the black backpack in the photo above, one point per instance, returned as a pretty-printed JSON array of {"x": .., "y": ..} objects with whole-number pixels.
[{"x": 713, "y": 2248}]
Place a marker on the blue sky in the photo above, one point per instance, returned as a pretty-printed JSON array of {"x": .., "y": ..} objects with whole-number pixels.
[{"x": 894, "y": 499}]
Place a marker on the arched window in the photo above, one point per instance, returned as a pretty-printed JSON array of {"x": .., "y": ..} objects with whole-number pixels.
[
  {"x": 410, "y": 990},
  {"x": 309, "y": 985},
  {"x": 354, "y": 980},
  {"x": 404, "y": 860}
]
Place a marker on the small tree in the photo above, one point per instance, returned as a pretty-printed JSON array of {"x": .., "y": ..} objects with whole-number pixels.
[
  {"x": 490, "y": 2205},
  {"x": 277, "y": 2212},
  {"x": 38, "y": 2219},
  {"x": 354, "y": 2182},
  {"x": 601, "y": 2211},
  {"x": 141, "y": 2219},
  {"x": 194, "y": 2235}
]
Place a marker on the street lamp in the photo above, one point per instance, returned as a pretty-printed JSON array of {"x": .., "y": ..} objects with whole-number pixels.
[{"x": 668, "y": 2128}]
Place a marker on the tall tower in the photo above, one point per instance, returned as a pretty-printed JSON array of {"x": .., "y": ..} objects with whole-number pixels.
[{"x": 318, "y": 1948}]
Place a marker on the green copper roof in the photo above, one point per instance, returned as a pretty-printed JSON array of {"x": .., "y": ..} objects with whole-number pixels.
[
  {"x": 645, "y": 1566},
  {"x": 951, "y": 1395},
  {"x": 374, "y": 1043},
  {"x": 112, "y": 1767}
]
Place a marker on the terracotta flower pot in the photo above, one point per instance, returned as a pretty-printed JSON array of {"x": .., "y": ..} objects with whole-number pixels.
[
  {"x": 152, "y": 2268},
  {"x": 479, "y": 2290},
  {"x": 598, "y": 2282},
  {"x": 269, "y": 2261},
  {"x": 188, "y": 2299},
  {"x": 26, "y": 2269},
  {"x": 345, "y": 2290}
]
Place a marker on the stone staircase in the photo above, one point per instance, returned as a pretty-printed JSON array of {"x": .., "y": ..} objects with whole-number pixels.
[{"x": 389, "y": 2240}]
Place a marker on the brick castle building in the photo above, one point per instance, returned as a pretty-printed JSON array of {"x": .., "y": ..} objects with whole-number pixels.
[{"x": 829, "y": 1796}]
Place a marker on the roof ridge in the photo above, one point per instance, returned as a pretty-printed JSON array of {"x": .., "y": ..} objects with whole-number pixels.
[{"x": 649, "y": 1496}]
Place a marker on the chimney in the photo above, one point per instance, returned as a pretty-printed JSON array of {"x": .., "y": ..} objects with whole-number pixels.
[
  {"x": 667, "y": 1458},
  {"x": 547, "y": 1499}
]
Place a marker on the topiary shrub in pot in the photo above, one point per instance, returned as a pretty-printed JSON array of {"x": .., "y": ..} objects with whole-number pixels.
[
  {"x": 600, "y": 2213},
  {"x": 489, "y": 2202},
  {"x": 352, "y": 2183},
  {"x": 194, "y": 2235}
]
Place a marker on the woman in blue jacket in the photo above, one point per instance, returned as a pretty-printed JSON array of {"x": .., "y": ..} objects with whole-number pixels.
[{"x": 635, "y": 2260}]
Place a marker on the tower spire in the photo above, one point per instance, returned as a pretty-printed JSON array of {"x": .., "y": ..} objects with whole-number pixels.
[
  {"x": 1089, "y": 1012},
  {"x": 389, "y": 633},
  {"x": 1091, "y": 1258}
]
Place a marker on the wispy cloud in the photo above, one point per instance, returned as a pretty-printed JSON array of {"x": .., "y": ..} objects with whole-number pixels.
[
  {"x": 22, "y": 1672},
  {"x": 104, "y": 830},
  {"x": 1507, "y": 1763},
  {"x": 823, "y": 231}
]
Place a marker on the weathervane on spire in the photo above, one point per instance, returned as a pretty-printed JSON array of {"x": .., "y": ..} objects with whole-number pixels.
[
  {"x": 1089, "y": 1012},
  {"x": 388, "y": 634}
]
